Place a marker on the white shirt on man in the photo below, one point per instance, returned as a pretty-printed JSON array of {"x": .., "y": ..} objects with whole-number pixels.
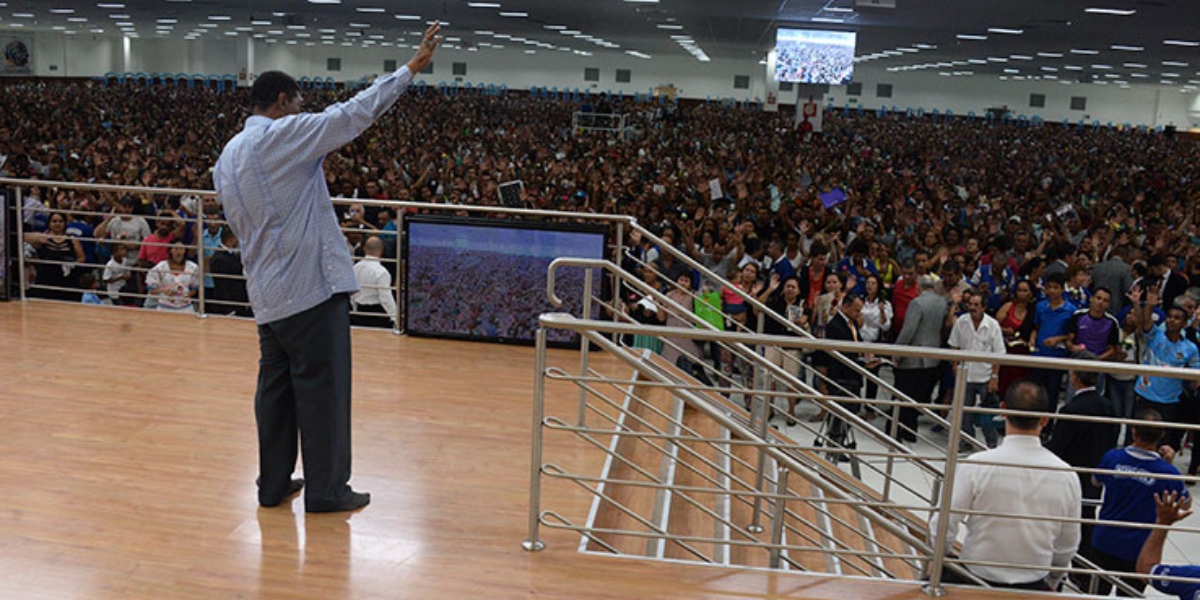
[
  {"x": 1015, "y": 489},
  {"x": 985, "y": 339},
  {"x": 376, "y": 286}
]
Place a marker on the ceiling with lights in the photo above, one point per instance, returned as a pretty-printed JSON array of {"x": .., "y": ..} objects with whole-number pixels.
[{"x": 1123, "y": 42}]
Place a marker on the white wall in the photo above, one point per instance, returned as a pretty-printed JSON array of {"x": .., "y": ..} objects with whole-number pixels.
[{"x": 86, "y": 56}]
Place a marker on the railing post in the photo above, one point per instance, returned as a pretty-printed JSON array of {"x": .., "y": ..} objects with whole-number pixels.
[
  {"x": 616, "y": 278},
  {"x": 532, "y": 543},
  {"x": 781, "y": 490},
  {"x": 583, "y": 345},
  {"x": 938, "y": 560},
  {"x": 401, "y": 274},
  {"x": 20, "y": 200},
  {"x": 201, "y": 264}
]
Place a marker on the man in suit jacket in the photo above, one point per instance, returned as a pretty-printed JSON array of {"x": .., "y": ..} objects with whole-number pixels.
[
  {"x": 1171, "y": 283},
  {"x": 843, "y": 325},
  {"x": 1082, "y": 443},
  {"x": 916, "y": 377}
]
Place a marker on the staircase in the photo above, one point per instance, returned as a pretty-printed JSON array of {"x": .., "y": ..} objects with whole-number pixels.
[{"x": 684, "y": 488}]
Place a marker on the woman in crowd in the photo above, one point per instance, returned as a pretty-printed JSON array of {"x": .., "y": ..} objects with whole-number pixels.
[
  {"x": 62, "y": 254},
  {"x": 785, "y": 301},
  {"x": 876, "y": 325},
  {"x": 173, "y": 282},
  {"x": 1016, "y": 324}
]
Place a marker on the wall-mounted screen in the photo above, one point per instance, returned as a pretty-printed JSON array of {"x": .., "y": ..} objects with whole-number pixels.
[
  {"x": 814, "y": 56},
  {"x": 486, "y": 279}
]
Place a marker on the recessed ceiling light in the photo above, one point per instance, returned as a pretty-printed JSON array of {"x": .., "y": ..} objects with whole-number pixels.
[
  {"x": 969, "y": 36},
  {"x": 1139, "y": 75},
  {"x": 324, "y": 1},
  {"x": 997, "y": 59},
  {"x": 1020, "y": 57},
  {"x": 925, "y": 46},
  {"x": 976, "y": 61},
  {"x": 77, "y": 19},
  {"x": 260, "y": 23},
  {"x": 167, "y": 21},
  {"x": 110, "y": 5},
  {"x": 1073, "y": 68},
  {"x": 22, "y": 15},
  {"x": 1132, "y": 65},
  {"x": 1170, "y": 74},
  {"x": 821, "y": 19},
  {"x": 1005, "y": 31},
  {"x": 208, "y": 25},
  {"x": 1102, "y": 67},
  {"x": 1013, "y": 71},
  {"x": 1050, "y": 69},
  {"x": 1120, "y": 12}
]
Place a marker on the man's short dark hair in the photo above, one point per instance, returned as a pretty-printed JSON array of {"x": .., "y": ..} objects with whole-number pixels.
[
  {"x": 850, "y": 298},
  {"x": 268, "y": 86},
  {"x": 1087, "y": 378},
  {"x": 1056, "y": 277},
  {"x": 1146, "y": 433},
  {"x": 1026, "y": 396},
  {"x": 1102, "y": 289}
]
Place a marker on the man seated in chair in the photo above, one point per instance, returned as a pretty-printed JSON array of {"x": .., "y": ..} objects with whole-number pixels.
[{"x": 1011, "y": 487}]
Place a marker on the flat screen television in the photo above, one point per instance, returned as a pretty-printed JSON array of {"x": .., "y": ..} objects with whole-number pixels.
[
  {"x": 814, "y": 56},
  {"x": 485, "y": 279}
]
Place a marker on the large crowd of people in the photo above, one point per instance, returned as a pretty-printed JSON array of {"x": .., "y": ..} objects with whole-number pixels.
[{"x": 1071, "y": 240}]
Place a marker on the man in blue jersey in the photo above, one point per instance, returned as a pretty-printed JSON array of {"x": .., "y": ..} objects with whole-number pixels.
[
  {"x": 1130, "y": 498},
  {"x": 1171, "y": 508},
  {"x": 1165, "y": 347},
  {"x": 299, "y": 277},
  {"x": 1051, "y": 320}
]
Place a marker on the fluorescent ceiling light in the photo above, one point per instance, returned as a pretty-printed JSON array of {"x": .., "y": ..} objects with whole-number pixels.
[
  {"x": 360, "y": 25},
  {"x": 642, "y": 1},
  {"x": 409, "y": 17},
  {"x": 1020, "y": 57},
  {"x": 968, "y": 36},
  {"x": 370, "y": 9},
  {"x": 1128, "y": 48},
  {"x": 77, "y": 19},
  {"x": 821, "y": 19},
  {"x": 260, "y": 23},
  {"x": 1120, "y": 12},
  {"x": 666, "y": 26},
  {"x": 324, "y": 1},
  {"x": 554, "y": 27},
  {"x": 1188, "y": 43},
  {"x": 220, "y": 18},
  {"x": 1050, "y": 54},
  {"x": 1173, "y": 63},
  {"x": 1083, "y": 51},
  {"x": 1005, "y": 31},
  {"x": 62, "y": 11},
  {"x": 1131, "y": 65},
  {"x": 514, "y": 15},
  {"x": 110, "y": 5},
  {"x": 1102, "y": 67},
  {"x": 484, "y": 4},
  {"x": 1073, "y": 68}
]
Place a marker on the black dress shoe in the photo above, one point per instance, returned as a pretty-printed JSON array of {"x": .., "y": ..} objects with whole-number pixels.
[
  {"x": 294, "y": 488},
  {"x": 353, "y": 501}
]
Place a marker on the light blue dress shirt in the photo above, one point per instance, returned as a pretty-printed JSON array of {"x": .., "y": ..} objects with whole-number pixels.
[{"x": 270, "y": 181}]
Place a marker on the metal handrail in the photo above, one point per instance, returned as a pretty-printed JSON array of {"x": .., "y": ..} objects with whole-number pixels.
[{"x": 597, "y": 331}]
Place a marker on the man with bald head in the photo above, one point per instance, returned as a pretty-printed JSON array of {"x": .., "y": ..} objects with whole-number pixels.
[{"x": 375, "y": 303}]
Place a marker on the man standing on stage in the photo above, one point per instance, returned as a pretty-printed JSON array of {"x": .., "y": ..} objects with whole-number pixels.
[{"x": 299, "y": 277}]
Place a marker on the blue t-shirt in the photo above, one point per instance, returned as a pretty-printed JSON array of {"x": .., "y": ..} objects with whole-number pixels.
[
  {"x": 1186, "y": 590},
  {"x": 1162, "y": 352},
  {"x": 1051, "y": 322},
  {"x": 1130, "y": 498}
]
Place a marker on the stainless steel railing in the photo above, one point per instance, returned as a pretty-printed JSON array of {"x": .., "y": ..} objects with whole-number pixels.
[{"x": 784, "y": 453}]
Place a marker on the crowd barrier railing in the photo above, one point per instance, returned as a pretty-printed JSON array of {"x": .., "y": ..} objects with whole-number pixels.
[{"x": 784, "y": 453}]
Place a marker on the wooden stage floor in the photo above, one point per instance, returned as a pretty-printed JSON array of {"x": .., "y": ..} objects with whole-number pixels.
[{"x": 128, "y": 458}]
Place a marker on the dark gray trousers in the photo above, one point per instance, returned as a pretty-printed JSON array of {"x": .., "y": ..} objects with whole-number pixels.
[{"x": 304, "y": 389}]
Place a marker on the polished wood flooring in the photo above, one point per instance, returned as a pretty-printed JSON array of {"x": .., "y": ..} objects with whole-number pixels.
[{"x": 128, "y": 458}]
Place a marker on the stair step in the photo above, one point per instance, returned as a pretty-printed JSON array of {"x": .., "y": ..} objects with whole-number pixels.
[
  {"x": 685, "y": 517},
  {"x": 636, "y": 459}
]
